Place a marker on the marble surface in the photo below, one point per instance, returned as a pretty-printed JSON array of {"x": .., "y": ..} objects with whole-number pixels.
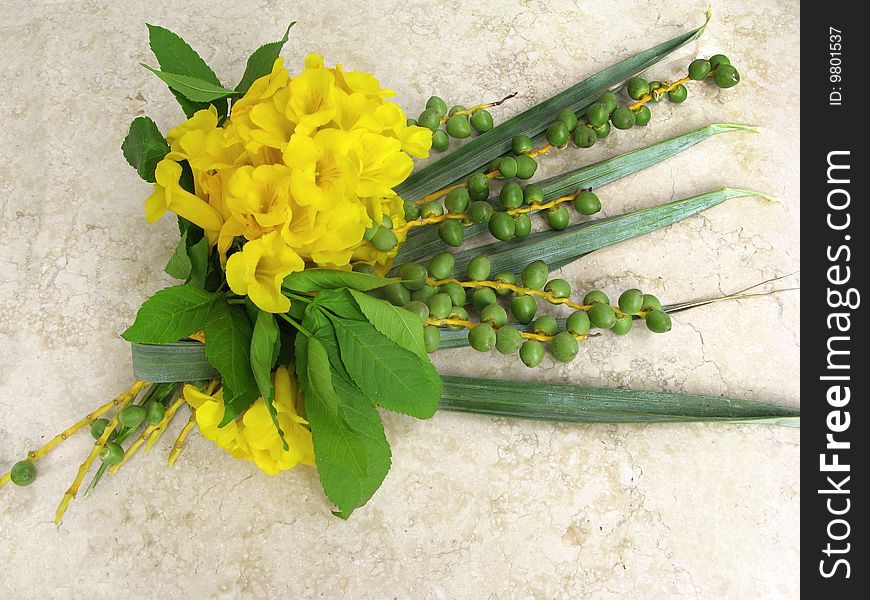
[{"x": 474, "y": 507}]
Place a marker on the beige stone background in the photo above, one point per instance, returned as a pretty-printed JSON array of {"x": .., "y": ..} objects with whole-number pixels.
[{"x": 474, "y": 507}]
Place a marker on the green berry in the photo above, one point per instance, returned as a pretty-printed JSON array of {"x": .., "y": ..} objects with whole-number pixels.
[
  {"x": 480, "y": 211},
  {"x": 726, "y": 76},
  {"x": 439, "y": 305},
  {"x": 384, "y": 240},
  {"x": 535, "y": 275},
  {"x": 658, "y": 321},
  {"x": 507, "y": 167},
  {"x": 557, "y": 134},
  {"x": 455, "y": 109},
  {"x": 112, "y": 453},
  {"x": 511, "y": 195},
  {"x": 412, "y": 211},
  {"x": 623, "y": 325},
  {"x": 526, "y": 166},
  {"x": 482, "y": 337},
  {"x": 397, "y": 294},
  {"x": 458, "y": 126},
  {"x": 545, "y": 325},
  {"x": 587, "y": 203},
  {"x": 642, "y": 116},
  {"x": 387, "y": 222},
  {"x": 98, "y": 427},
  {"x": 637, "y": 88},
  {"x": 456, "y": 293},
  {"x": 411, "y": 122},
  {"x": 502, "y": 226},
  {"x": 424, "y": 293},
  {"x": 522, "y": 225},
  {"x": 596, "y": 297},
  {"x": 440, "y": 140},
  {"x": 522, "y": 144},
  {"x": 558, "y": 288},
  {"x": 483, "y": 297},
  {"x": 431, "y": 338},
  {"x": 441, "y": 265},
  {"x": 413, "y": 275},
  {"x": 524, "y": 308},
  {"x": 679, "y": 94},
  {"x": 437, "y": 104},
  {"x": 565, "y": 347},
  {"x": 558, "y": 217},
  {"x": 478, "y": 183},
  {"x": 370, "y": 232},
  {"x": 597, "y": 114},
  {"x": 578, "y": 323},
  {"x": 584, "y": 136},
  {"x": 533, "y": 194},
  {"x": 567, "y": 116},
  {"x": 430, "y": 119},
  {"x": 650, "y": 302},
  {"x": 602, "y": 131},
  {"x": 532, "y": 353},
  {"x": 508, "y": 340},
  {"x": 718, "y": 60},
  {"x": 155, "y": 412},
  {"x": 456, "y": 200},
  {"x": 431, "y": 209},
  {"x": 609, "y": 100},
  {"x": 505, "y": 278},
  {"x": 699, "y": 69},
  {"x": 631, "y": 301},
  {"x": 478, "y": 268},
  {"x": 481, "y": 120},
  {"x": 131, "y": 416},
  {"x": 421, "y": 309},
  {"x": 457, "y": 313},
  {"x": 364, "y": 268},
  {"x": 623, "y": 118},
  {"x": 495, "y": 315},
  {"x": 23, "y": 473},
  {"x": 451, "y": 232},
  {"x": 601, "y": 315},
  {"x": 656, "y": 90}
]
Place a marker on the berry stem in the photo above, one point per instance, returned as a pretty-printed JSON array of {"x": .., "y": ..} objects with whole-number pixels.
[
  {"x": 158, "y": 429},
  {"x": 663, "y": 90},
  {"x": 179, "y": 441},
  {"x": 525, "y": 334},
  {"x": 477, "y": 107}
]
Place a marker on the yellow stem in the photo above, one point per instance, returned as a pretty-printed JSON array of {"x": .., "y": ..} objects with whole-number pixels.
[
  {"x": 663, "y": 90},
  {"x": 477, "y": 107},
  {"x": 179, "y": 441},
  {"x": 70, "y": 494},
  {"x": 469, "y": 324},
  {"x": 158, "y": 429}
]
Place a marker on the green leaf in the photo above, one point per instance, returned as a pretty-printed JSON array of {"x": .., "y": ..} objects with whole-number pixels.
[
  {"x": 340, "y": 303},
  {"x": 179, "y": 263},
  {"x": 174, "y": 55},
  {"x": 574, "y": 404},
  {"x": 264, "y": 346},
  {"x": 261, "y": 61},
  {"x": 198, "y": 255},
  {"x": 144, "y": 147},
  {"x": 424, "y": 241},
  {"x": 531, "y": 122},
  {"x": 228, "y": 334},
  {"x": 192, "y": 88},
  {"x": 316, "y": 280},
  {"x": 387, "y": 374},
  {"x": 346, "y": 438},
  {"x": 170, "y": 315},
  {"x": 400, "y": 325}
]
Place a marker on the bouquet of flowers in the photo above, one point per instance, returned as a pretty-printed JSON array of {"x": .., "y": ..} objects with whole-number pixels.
[{"x": 319, "y": 268}]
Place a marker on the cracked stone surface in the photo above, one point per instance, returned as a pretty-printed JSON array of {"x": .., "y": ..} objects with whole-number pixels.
[{"x": 474, "y": 507}]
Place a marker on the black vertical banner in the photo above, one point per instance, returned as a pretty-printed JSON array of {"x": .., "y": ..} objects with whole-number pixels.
[{"x": 835, "y": 230}]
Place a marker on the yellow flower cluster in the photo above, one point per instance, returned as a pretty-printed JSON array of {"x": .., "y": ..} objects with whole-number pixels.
[
  {"x": 298, "y": 172},
  {"x": 253, "y": 436}
]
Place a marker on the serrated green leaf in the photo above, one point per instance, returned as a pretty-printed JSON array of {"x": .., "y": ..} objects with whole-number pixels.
[
  {"x": 228, "y": 334},
  {"x": 192, "y": 88},
  {"x": 264, "y": 344},
  {"x": 170, "y": 315},
  {"x": 144, "y": 147},
  {"x": 387, "y": 374},
  {"x": 178, "y": 265},
  {"x": 495, "y": 142},
  {"x": 198, "y": 255},
  {"x": 261, "y": 61},
  {"x": 316, "y": 280},
  {"x": 340, "y": 303},
  {"x": 400, "y": 325}
]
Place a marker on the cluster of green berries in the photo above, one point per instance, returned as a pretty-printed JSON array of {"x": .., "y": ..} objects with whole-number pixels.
[
  {"x": 459, "y": 124},
  {"x": 382, "y": 236},
  {"x": 719, "y": 67},
  {"x": 451, "y": 301}
]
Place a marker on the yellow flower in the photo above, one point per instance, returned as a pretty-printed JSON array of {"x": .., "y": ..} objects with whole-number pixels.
[
  {"x": 382, "y": 164},
  {"x": 312, "y": 100},
  {"x": 322, "y": 173},
  {"x": 209, "y": 411},
  {"x": 261, "y": 196},
  {"x": 169, "y": 195},
  {"x": 203, "y": 144},
  {"x": 260, "y": 268}
]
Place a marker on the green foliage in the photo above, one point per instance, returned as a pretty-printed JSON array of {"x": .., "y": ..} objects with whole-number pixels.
[
  {"x": 399, "y": 325},
  {"x": 315, "y": 280},
  {"x": 144, "y": 147},
  {"x": 192, "y": 88},
  {"x": 189, "y": 262},
  {"x": 170, "y": 315},
  {"x": 261, "y": 61}
]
